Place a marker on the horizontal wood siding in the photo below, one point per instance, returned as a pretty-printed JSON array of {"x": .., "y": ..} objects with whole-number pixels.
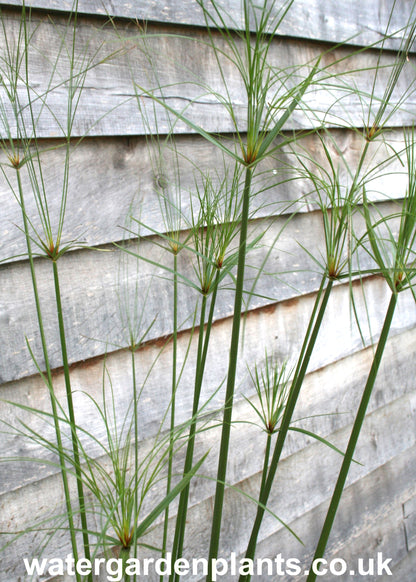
[
  {"x": 117, "y": 173},
  {"x": 116, "y": 72},
  {"x": 358, "y": 23},
  {"x": 98, "y": 309}
]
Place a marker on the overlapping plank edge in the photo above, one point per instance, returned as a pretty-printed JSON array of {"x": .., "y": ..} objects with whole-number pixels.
[
  {"x": 124, "y": 65},
  {"x": 388, "y": 436},
  {"x": 358, "y": 23},
  {"x": 369, "y": 526},
  {"x": 278, "y": 329},
  {"x": 102, "y": 291},
  {"x": 117, "y": 183},
  {"x": 306, "y": 493}
]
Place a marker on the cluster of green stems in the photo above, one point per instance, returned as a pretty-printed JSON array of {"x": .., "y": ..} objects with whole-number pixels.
[{"x": 262, "y": 137}]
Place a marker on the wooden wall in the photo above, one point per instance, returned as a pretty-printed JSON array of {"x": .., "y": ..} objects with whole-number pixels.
[{"x": 112, "y": 175}]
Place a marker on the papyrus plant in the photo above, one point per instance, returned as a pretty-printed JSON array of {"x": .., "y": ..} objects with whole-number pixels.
[
  {"x": 338, "y": 202},
  {"x": 270, "y": 101},
  {"x": 272, "y": 95},
  {"x": 393, "y": 254},
  {"x": 21, "y": 112},
  {"x": 24, "y": 155},
  {"x": 218, "y": 243}
]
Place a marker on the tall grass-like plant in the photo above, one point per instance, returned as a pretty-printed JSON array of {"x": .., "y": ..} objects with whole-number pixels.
[
  {"x": 25, "y": 154},
  {"x": 170, "y": 200},
  {"x": 210, "y": 242},
  {"x": 395, "y": 259},
  {"x": 21, "y": 145},
  {"x": 263, "y": 125},
  {"x": 338, "y": 203},
  {"x": 267, "y": 95},
  {"x": 213, "y": 234},
  {"x": 272, "y": 385},
  {"x": 217, "y": 242},
  {"x": 50, "y": 240},
  {"x": 337, "y": 207},
  {"x": 132, "y": 316},
  {"x": 121, "y": 490},
  {"x": 119, "y": 482}
]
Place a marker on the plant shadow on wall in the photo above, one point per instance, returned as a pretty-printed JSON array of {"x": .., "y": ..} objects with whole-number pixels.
[{"x": 120, "y": 484}]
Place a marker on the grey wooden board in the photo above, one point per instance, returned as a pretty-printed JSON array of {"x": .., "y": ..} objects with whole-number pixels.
[
  {"x": 373, "y": 503},
  {"x": 369, "y": 521},
  {"x": 297, "y": 490},
  {"x": 95, "y": 314},
  {"x": 115, "y": 178},
  {"x": 334, "y": 22},
  {"x": 405, "y": 569},
  {"x": 325, "y": 390},
  {"x": 279, "y": 331},
  {"x": 388, "y": 432},
  {"x": 101, "y": 290},
  {"x": 185, "y": 67}
]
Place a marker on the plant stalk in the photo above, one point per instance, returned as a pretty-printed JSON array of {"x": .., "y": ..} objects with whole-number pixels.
[
  {"x": 232, "y": 367},
  {"x": 303, "y": 362},
  {"x": 74, "y": 438},
  {"x": 49, "y": 383},
  {"x": 355, "y": 433},
  {"x": 173, "y": 400},
  {"x": 265, "y": 463},
  {"x": 124, "y": 556},
  {"x": 203, "y": 343},
  {"x": 136, "y": 452}
]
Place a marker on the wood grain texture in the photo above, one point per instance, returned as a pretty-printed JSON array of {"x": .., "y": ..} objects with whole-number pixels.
[
  {"x": 387, "y": 442},
  {"x": 369, "y": 521},
  {"x": 118, "y": 64},
  {"x": 115, "y": 178},
  {"x": 297, "y": 491},
  {"x": 102, "y": 290},
  {"x": 388, "y": 434},
  {"x": 405, "y": 568},
  {"x": 278, "y": 330},
  {"x": 335, "y": 22},
  {"x": 113, "y": 175}
]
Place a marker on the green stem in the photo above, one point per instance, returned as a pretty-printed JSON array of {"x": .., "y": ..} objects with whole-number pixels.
[
  {"x": 183, "y": 499},
  {"x": 49, "y": 382},
  {"x": 303, "y": 362},
  {"x": 136, "y": 451},
  {"x": 124, "y": 556},
  {"x": 203, "y": 343},
  {"x": 75, "y": 448},
  {"x": 311, "y": 329},
  {"x": 355, "y": 433},
  {"x": 232, "y": 367},
  {"x": 265, "y": 464},
  {"x": 173, "y": 400}
]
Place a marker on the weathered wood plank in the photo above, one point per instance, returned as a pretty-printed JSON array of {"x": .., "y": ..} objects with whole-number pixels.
[
  {"x": 387, "y": 440},
  {"x": 101, "y": 290},
  {"x": 405, "y": 569},
  {"x": 388, "y": 434},
  {"x": 92, "y": 294},
  {"x": 321, "y": 390},
  {"x": 369, "y": 520},
  {"x": 186, "y": 68},
  {"x": 329, "y": 389},
  {"x": 112, "y": 179},
  {"x": 298, "y": 490},
  {"x": 356, "y": 23}
]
